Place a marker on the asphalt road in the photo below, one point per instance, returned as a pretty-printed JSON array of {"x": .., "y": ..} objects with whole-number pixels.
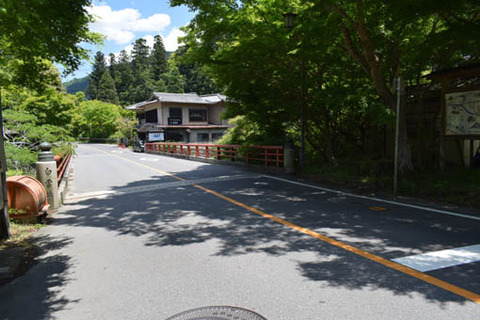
[{"x": 146, "y": 237}]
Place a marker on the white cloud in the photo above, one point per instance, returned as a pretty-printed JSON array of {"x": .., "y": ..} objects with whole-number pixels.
[
  {"x": 121, "y": 25},
  {"x": 171, "y": 41},
  {"x": 150, "y": 40}
]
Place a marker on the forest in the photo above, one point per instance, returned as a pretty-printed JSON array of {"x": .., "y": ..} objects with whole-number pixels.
[{"x": 132, "y": 78}]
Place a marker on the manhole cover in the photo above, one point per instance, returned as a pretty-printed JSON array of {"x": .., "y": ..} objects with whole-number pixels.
[{"x": 217, "y": 313}]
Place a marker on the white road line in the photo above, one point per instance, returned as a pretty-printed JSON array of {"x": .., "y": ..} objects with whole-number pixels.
[
  {"x": 377, "y": 199},
  {"x": 73, "y": 198},
  {"x": 148, "y": 159},
  {"x": 441, "y": 259}
]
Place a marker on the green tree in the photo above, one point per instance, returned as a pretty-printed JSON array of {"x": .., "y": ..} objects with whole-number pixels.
[
  {"x": 142, "y": 87},
  {"x": 99, "y": 68},
  {"x": 159, "y": 59},
  {"x": 343, "y": 79},
  {"x": 106, "y": 89},
  {"x": 246, "y": 48},
  {"x": 112, "y": 65},
  {"x": 32, "y": 32},
  {"x": 97, "y": 119},
  {"x": 142, "y": 84},
  {"x": 123, "y": 77},
  {"x": 140, "y": 55},
  {"x": 49, "y": 107},
  {"x": 173, "y": 80},
  {"x": 196, "y": 78},
  {"x": 35, "y": 117}
]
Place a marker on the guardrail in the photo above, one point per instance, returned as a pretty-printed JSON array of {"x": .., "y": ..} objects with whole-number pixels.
[{"x": 266, "y": 155}]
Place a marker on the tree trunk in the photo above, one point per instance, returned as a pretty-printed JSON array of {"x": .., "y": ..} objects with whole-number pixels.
[
  {"x": 4, "y": 220},
  {"x": 371, "y": 63}
]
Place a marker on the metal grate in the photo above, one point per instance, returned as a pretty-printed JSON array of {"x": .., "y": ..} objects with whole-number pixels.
[{"x": 218, "y": 313}]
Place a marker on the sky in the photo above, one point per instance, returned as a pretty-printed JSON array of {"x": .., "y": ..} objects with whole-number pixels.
[{"x": 124, "y": 21}]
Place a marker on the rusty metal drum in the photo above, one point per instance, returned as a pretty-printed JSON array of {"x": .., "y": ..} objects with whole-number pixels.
[{"x": 26, "y": 197}]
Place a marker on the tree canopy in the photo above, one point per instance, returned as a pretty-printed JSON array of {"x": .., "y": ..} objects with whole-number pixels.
[
  {"x": 35, "y": 31},
  {"x": 339, "y": 60}
]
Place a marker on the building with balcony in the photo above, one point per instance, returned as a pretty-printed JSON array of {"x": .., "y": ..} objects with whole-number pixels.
[{"x": 182, "y": 117}]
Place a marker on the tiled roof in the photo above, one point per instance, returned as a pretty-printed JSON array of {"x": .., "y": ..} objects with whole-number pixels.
[
  {"x": 138, "y": 105},
  {"x": 184, "y": 98},
  {"x": 187, "y": 98}
]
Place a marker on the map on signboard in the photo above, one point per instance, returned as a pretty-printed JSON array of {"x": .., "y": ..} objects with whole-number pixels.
[{"x": 462, "y": 113}]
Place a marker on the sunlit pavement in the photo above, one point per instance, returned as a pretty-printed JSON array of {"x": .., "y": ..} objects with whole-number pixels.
[{"x": 146, "y": 237}]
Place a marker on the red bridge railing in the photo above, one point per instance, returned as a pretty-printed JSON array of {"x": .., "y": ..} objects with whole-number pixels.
[
  {"x": 266, "y": 155},
  {"x": 62, "y": 166}
]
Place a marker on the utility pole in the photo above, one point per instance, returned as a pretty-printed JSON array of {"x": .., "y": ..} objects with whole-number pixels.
[
  {"x": 302, "y": 119},
  {"x": 4, "y": 220}
]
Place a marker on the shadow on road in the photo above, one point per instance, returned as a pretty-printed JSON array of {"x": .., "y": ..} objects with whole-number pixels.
[
  {"x": 39, "y": 291},
  {"x": 182, "y": 214}
]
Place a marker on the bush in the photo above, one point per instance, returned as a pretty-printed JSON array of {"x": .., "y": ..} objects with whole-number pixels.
[{"x": 20, "y": 160}]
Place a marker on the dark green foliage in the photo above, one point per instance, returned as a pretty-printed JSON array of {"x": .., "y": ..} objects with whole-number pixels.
[
  {"x": 112, "y": 65},
  {"x": 34, "y": 30},
  {"x": 98, "y": 119},
  {"x": 33, "y": 34},
  {"x": 173, "y": 80},
  {"x": 146, "y": 71},
  {"x": 76, "y": 85},
  {"x": 123, "y": 77},
  {"x": 99, "y": 68},
  {"x": 140, "y": 56},
  {"x": 20, "y": 160},
  {"x": 159, "y": 59},
  {"x": 196, "y": 78},
  {"x": 338, "y": 61},
  {"x": 141, "y": 87},
  {"x": 33, "y": 117},
  {"x": 106, "y": 89}
]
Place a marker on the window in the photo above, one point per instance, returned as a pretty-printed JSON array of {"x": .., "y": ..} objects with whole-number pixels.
[
  {"x": 202, "y": 137},
  {"x": 174, "y": 136},
  {"x": 216, "y": 136},
  {"x": 175, "y": 113},
  {"x": 197, "y": 115},
  {"x": 175, "y": 116},
  {"x": 151, "y": 116}
]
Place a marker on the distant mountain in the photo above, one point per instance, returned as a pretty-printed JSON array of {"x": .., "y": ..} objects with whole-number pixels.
[{"x": 75, "y": 85}]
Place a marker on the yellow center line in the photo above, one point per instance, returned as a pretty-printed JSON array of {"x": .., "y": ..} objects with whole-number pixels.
[{"x": 393, "y": 265}]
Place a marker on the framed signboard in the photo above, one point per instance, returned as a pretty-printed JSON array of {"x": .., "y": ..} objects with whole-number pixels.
[
  {"x": 174, "y": 121},
  {"x": 462, "y": 113},
  {"x": 156, "y": 136}
]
